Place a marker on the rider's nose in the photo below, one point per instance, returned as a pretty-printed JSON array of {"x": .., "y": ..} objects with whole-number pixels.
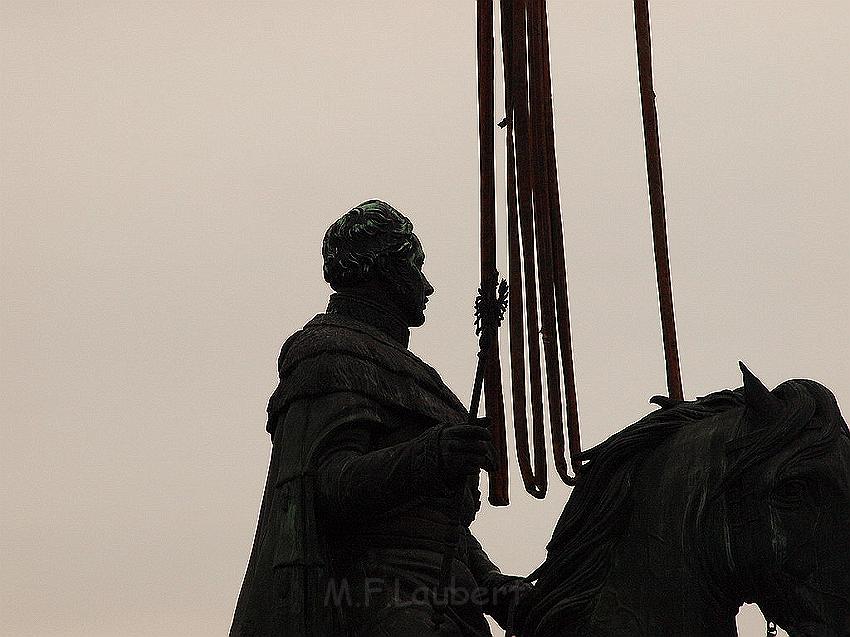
[{"x": 429, "y": 289}]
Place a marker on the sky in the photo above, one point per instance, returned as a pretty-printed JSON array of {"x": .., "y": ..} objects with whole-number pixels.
[{"x": 168, "y": 172}]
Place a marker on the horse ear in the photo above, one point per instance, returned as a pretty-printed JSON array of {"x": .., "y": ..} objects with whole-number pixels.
[{"x": 758, "y": 397}]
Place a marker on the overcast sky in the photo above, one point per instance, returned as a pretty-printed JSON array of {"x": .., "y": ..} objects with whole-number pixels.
[{"x": 169, "y": 169}]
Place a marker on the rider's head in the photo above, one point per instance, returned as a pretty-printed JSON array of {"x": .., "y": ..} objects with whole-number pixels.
[{"x": 372, "y": 250}]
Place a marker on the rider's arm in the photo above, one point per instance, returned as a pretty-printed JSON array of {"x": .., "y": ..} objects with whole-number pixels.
[
  {"x": 500, "y": 591},
  {"x": 482, "y": 569},
  {"x": 356, "y": 479}
]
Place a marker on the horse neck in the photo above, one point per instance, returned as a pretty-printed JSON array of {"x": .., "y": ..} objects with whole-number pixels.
[
  {"x": 667, "y": 575},
  {"x": 650, "y": 591}
]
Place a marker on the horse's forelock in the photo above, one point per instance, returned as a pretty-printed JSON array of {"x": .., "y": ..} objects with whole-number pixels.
[{"x": 761, "y": 437}]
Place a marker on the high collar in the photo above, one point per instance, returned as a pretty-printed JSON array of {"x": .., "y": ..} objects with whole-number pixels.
[{"x": 372, "y": 312}]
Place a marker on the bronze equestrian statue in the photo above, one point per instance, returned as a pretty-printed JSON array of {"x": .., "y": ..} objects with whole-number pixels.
[
  {"x": 674, "y": 523},
  {"x": 370, "y": 452}
]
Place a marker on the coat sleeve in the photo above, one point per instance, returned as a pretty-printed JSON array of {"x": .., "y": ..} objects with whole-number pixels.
[
  {"x": 501, "y": 592},
  {"x": 482, "y": 569},
  {"x": 352, "y": 477}
]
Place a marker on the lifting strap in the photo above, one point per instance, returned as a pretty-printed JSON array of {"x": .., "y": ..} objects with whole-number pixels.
[
  {"x": 541, "y": 357},
  {"x": 656, "y": 198},
  {"x": 542, "y": 379},
  {"x": 494, "y": 404}
]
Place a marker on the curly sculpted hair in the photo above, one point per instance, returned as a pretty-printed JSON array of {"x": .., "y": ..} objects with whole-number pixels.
[{"x": 364, "y": 242}]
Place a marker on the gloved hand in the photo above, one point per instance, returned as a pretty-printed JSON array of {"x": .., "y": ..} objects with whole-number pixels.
[
  {"x": 464, "y": 450},
  {"x": 443, "y": 456},
  {"x": 503, "y": 593}
]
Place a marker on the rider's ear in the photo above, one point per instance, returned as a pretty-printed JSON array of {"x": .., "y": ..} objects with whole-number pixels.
[{"x": 758, "y": 398}]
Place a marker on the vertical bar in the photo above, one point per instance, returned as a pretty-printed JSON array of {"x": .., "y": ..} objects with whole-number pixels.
[
  {"x": 562, "y": 302},
  {"x": 543, "y": 226},
  {"x": 493, "y": 397},
  {"x": 656, "y": 197},
  {"x": 515, "y": 302},
  {"x": 524, "y": 168}
]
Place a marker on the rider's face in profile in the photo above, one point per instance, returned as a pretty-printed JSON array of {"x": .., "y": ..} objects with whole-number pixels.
[{"x": 411, "y": 288}]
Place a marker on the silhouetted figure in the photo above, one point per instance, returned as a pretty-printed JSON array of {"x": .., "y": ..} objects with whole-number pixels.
[{"x": 370, "y": 450}]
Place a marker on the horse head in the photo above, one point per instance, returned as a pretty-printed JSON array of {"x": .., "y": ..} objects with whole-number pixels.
[
  {"x": 788, "y": 501},
  {"x": 676, "y": 521}
]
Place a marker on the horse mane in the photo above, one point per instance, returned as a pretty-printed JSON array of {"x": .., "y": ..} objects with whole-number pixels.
[{"x": 579, "y": 554}]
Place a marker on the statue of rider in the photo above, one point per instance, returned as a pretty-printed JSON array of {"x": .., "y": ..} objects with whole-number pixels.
[{"x": 370, "y": 453}]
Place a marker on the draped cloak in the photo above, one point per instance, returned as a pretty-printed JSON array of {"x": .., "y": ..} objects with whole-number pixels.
[{"x": 284, "y": 591}]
